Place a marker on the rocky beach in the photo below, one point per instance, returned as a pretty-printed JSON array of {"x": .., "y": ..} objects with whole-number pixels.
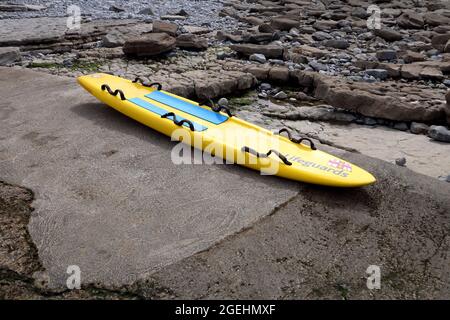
[{"x": 368, "y": 79}]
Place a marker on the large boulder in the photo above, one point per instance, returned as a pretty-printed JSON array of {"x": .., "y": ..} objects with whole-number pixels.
[
  {"x": 9, "y": 55},
  {"x": 269, "y": 51},
  {"x": 150, "y": 45}
]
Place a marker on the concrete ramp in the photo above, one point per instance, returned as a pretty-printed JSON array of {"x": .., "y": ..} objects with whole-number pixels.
[{"x": 108, "y": 197}]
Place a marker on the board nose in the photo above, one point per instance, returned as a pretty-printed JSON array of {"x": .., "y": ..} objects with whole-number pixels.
[
  {"x": 367, "y": 179},
  {"x": 82, "y": 80}
]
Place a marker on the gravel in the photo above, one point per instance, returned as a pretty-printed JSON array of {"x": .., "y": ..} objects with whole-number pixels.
[{"x": 200, "y": 12}]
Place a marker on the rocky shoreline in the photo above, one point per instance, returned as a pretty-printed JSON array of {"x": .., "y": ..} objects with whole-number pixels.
[{"x": 396, "y": 76}]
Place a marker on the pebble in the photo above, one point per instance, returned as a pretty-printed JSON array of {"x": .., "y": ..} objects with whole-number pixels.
[
  {"x": 386, "y": 55},
  {"x": 258, "y": 57},
  {"x": 402, "y": 126},
  {"x": 146, "y": 11},
  {"x": 419, "y": 128},
  {"x": 265, "y": 86},
  {"x": 369, "y": 121},
  {"x": 439, "y": 133},
  {"x": 336, "y": 43},
  {"x": 280, "y": 95},
  {"x": 378, "y": 73},
  {"x": 400, "y": 162},
  {"x": 318, "y": 66}
]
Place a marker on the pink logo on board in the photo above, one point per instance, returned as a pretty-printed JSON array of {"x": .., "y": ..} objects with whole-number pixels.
[{"x": 339, "y": 164}]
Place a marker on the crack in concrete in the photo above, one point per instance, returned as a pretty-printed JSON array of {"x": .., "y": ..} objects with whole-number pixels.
[{"x": 252, "y": 225}]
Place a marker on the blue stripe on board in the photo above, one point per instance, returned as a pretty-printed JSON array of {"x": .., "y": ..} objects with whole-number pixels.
[
  {"x": 160, "y": 111},
  {"x": 192, "y": 109}
]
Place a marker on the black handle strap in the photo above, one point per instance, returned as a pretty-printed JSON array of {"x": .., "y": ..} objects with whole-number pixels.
[
  {"x": 311, "y": 144},
  {"x": 266, "y": 155},
  {"x": 113, "y": 93},
  {"x": 146, "y": 84},
  {"x": 217, "y": 108},
  {"x": 177, "y": 122}
]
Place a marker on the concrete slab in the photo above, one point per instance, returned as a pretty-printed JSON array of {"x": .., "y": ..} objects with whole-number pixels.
[
  {"x": 320, "y": 245},
  {"x": 108, "y": 197}
]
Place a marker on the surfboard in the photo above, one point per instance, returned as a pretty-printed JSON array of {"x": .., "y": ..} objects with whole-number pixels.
[{"x": 219, "y": 133}]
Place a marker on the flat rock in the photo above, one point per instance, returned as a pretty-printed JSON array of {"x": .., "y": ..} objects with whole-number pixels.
[
  {"x": 378, "y": 73},
  {"x": 41, "y": 33},
  {"x": 284, "y": 24},
  {"x": 325, "y": 25},
  {"x": 379, "y": 100},
  {"x": 439, "y": 41},
  {"x": 432, "y": 73},
  {"x": 9, "y": 55},
  {"x": 165, "y": 27},
  {"x": 269, "y": 51},
  {"x": 233, "y": 37},
  {"x": 386, "y": 55},
  {"x": 21, "y": 7},
  {"x": 118, "y": 35},
  {"x": 150, "y": 45},
  {"x": 196, "y": 30},
  {"x": 173, "y": 17},
  {"x": 388, "y": 34},
  {"x": 191, "y": 41},
  {"x": 436, "y": 19},
  {"x": 411, "y": 71},
  {"x": 411, "y": 20},
  {"x": 114, "y": 39},
  {"x": 410, "y": 56},
  {"x": 336, "y": 43}
]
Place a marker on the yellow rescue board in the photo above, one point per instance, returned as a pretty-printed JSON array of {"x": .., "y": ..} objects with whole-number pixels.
[{"x": 225, "y": 137}]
